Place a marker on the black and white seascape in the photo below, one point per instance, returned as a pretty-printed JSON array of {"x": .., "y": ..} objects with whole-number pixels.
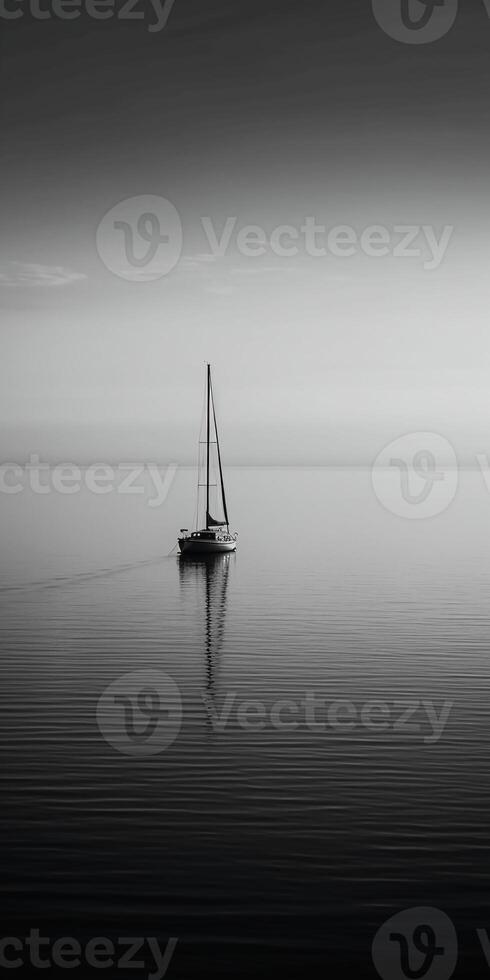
[{"x": 245, "y": 489}]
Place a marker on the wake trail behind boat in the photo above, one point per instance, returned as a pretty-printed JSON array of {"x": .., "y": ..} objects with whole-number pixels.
[{"x": 59, "y": 581}]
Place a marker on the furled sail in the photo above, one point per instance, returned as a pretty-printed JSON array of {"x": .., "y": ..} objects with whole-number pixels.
[
  {"x": 222, "y": 482},
  {"x": 211, "y": 522}
]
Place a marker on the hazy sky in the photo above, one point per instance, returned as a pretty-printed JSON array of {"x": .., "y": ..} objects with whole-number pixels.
[{"x": 267, "y": 111}]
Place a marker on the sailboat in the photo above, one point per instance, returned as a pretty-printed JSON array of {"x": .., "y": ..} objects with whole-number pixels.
[{"x": 215, "y": 537}]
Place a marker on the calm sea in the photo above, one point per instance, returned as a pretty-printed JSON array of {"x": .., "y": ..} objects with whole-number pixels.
[{"x": 322, "y": 761}]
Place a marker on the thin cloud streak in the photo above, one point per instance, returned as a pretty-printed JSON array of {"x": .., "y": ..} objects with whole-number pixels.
[{"x": 31, "y": 274}]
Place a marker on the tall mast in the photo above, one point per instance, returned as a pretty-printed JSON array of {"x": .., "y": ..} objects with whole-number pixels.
[
  {"x": 219, "y": 461},
  {"x": 207, "y": 445}
]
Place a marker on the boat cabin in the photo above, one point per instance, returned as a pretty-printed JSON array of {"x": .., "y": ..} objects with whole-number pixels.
[{"x": 218, "y": 535}]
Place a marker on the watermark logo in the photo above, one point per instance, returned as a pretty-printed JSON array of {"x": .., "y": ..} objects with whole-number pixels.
[
  {"x": 416, "y": 476},
  {"x": 415, "y": 21},
  {"x": 416, "y": 944},
  {"x": 140, "y": 714},
  {"x": 141, "y": 238}
]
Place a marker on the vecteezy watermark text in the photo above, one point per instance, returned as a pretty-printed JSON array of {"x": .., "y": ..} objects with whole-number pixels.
[
  {"x": 341, "y": 241},
  {"x": 141, "y": 714},
  {"x": 101, "y": 953},
  {"x": 319, "y": 715},
  {"x": 145, "y": 479},
  {"x": 141, "y": 239},
  {"x": 157, "y": 12}
]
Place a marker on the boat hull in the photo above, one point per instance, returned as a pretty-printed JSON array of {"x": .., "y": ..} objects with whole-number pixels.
[{"x": 192, "y": 547}]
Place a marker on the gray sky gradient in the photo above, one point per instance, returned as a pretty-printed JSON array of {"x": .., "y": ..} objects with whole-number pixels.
[{"x": 270, "y": 112}]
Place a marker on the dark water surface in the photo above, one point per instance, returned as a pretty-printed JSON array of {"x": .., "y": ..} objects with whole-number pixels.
[{"x": 272, "y": 840}]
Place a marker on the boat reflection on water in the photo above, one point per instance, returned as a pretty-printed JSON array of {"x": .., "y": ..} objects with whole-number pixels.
[{"x": 211, "y": 577}]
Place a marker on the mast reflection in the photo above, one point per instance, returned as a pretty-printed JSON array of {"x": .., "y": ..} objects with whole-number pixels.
[{"x": 210, "y": 576}]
